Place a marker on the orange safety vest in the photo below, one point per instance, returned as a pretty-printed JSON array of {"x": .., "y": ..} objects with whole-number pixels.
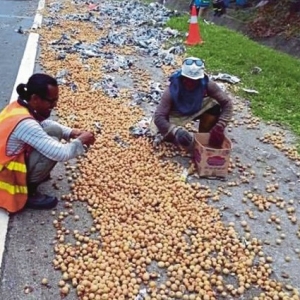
[{"x": 13, "y": 171}]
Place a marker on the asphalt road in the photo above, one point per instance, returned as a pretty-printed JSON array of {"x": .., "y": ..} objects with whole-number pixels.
[{"x": 13, "y": 15}]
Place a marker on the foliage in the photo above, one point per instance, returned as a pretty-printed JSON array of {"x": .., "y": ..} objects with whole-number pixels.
[
  {"x": 230, "y": 52},
  {"x": 276, "y": 17}
]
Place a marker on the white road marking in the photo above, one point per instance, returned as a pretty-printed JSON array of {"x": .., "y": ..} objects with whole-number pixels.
[
  {"x": 27, "y": 64},
  {"x": 13, "y": 17},
  {"x": 37, "y": 23},
  {"x": 41, "y": 5},
  {"x": 25, "y": 71}
]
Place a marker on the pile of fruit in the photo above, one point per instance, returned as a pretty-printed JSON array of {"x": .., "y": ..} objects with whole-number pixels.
[{"x": 151, "y": 232}]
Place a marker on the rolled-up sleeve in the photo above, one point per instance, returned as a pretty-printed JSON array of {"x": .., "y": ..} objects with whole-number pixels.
[
  {"x": 66, "y": 131},
  {"x": 30, "y": 132}
]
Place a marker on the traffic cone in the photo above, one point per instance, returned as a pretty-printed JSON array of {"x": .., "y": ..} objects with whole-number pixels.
[{"x": 194, "y": 36}]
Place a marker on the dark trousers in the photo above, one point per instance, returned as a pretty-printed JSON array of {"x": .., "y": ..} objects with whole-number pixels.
[{"x": 38, "y": 165}]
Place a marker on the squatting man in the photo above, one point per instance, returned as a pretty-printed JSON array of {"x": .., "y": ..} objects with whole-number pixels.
[
  {"x": 30, "y": 144},
  {"x": 192, "y": 96}
]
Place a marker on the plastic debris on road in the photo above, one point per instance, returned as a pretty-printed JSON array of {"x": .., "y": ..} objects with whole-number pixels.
[
  {"x": 226, "y": 77},
  {"x": 250, "y": 91},
  {"x": 141, "y": 295},
  {"x": 141, "y": 128}
]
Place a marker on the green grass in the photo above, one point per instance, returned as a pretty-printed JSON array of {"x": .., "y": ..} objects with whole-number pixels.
[{"x": 230, "y": 52}]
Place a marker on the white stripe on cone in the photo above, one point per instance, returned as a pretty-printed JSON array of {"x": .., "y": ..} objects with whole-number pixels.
[{"x": 194, "y": 20}]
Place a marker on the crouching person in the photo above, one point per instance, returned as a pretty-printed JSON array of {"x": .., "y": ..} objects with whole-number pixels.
[
  {"x": 192, "y": 96},
  {"x": 30, "y": 144}
]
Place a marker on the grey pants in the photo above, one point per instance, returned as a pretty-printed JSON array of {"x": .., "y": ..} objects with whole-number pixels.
[{"x": 38, "y": 165}]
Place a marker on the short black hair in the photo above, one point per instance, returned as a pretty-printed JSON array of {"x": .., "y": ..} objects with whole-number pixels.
[{"x": 37, "y": 84}]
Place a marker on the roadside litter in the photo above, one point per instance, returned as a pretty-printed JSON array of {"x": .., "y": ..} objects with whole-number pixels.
[
  {"x": 226, "y": 77},
  {"x": 141, "y": 128},
  {"x": 250, "y": 91},
  {"x": 20, "y": 30}
]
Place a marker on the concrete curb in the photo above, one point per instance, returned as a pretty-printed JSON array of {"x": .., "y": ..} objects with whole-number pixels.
[{"x": 25, "y": 71}]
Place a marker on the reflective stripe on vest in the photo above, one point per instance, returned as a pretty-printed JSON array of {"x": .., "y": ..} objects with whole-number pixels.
[
  {"x": 13, "y": 189},
  {"x": 14, "y": 166},
  {"x": 15, "y": 112},
  {"x": 13, "y": 183}
]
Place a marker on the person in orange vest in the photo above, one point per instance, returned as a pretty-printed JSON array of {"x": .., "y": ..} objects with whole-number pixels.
[{"x": 30, "y": 144}]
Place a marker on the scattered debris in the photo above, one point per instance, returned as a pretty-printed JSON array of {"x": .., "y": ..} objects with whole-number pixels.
[
  {"x": 250, "y": 91},
  {"x": 141, "y": 128},
  {"x": 256, "y": 70},
  {"x": 262, "y": 3},
  {"x": 61, "y": 55},
  {"x": 98, "y": 127},
  {"x": 141, "y": 295},
  {"x": 109, "y": 86},
  {"x": 61, "y": 77},
  {"x": 117, "y": 62},
  {"x": 226, "y": 77},
  {"x": 20, "y": 30},
  {"x": 120, "y": 141}
]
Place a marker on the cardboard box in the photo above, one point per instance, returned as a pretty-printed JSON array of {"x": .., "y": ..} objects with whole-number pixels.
[{"x": 211, "y": 162}]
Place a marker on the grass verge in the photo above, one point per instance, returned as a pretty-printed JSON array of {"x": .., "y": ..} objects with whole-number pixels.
[{"x": 230, "y": 52}]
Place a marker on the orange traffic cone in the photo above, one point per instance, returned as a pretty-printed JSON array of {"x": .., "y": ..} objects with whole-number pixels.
[{"x": 194, "y": 36}]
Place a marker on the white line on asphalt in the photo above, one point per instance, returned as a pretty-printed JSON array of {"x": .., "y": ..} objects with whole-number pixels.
[
  {"x": 25, "y": 71},
  {"x": 37, "y": 23},
  {"x": 41, "y": 5},
  {"x": 27, "y": 63},
  {"x": 13, "y": 17}
]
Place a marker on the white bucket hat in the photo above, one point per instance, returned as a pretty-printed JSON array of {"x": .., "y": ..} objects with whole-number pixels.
[{"x": 193, "y": 67}]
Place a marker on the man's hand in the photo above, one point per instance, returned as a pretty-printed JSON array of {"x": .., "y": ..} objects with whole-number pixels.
[
  {"x": 75, "y": 133},
  {"x": 217, "y": 136},
  {"x": 87, "y": 138},
  {"x": 184, "y": 139}
]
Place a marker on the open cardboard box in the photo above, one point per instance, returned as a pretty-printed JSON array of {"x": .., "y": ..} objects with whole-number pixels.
[{"x": 211, "y": 162}]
